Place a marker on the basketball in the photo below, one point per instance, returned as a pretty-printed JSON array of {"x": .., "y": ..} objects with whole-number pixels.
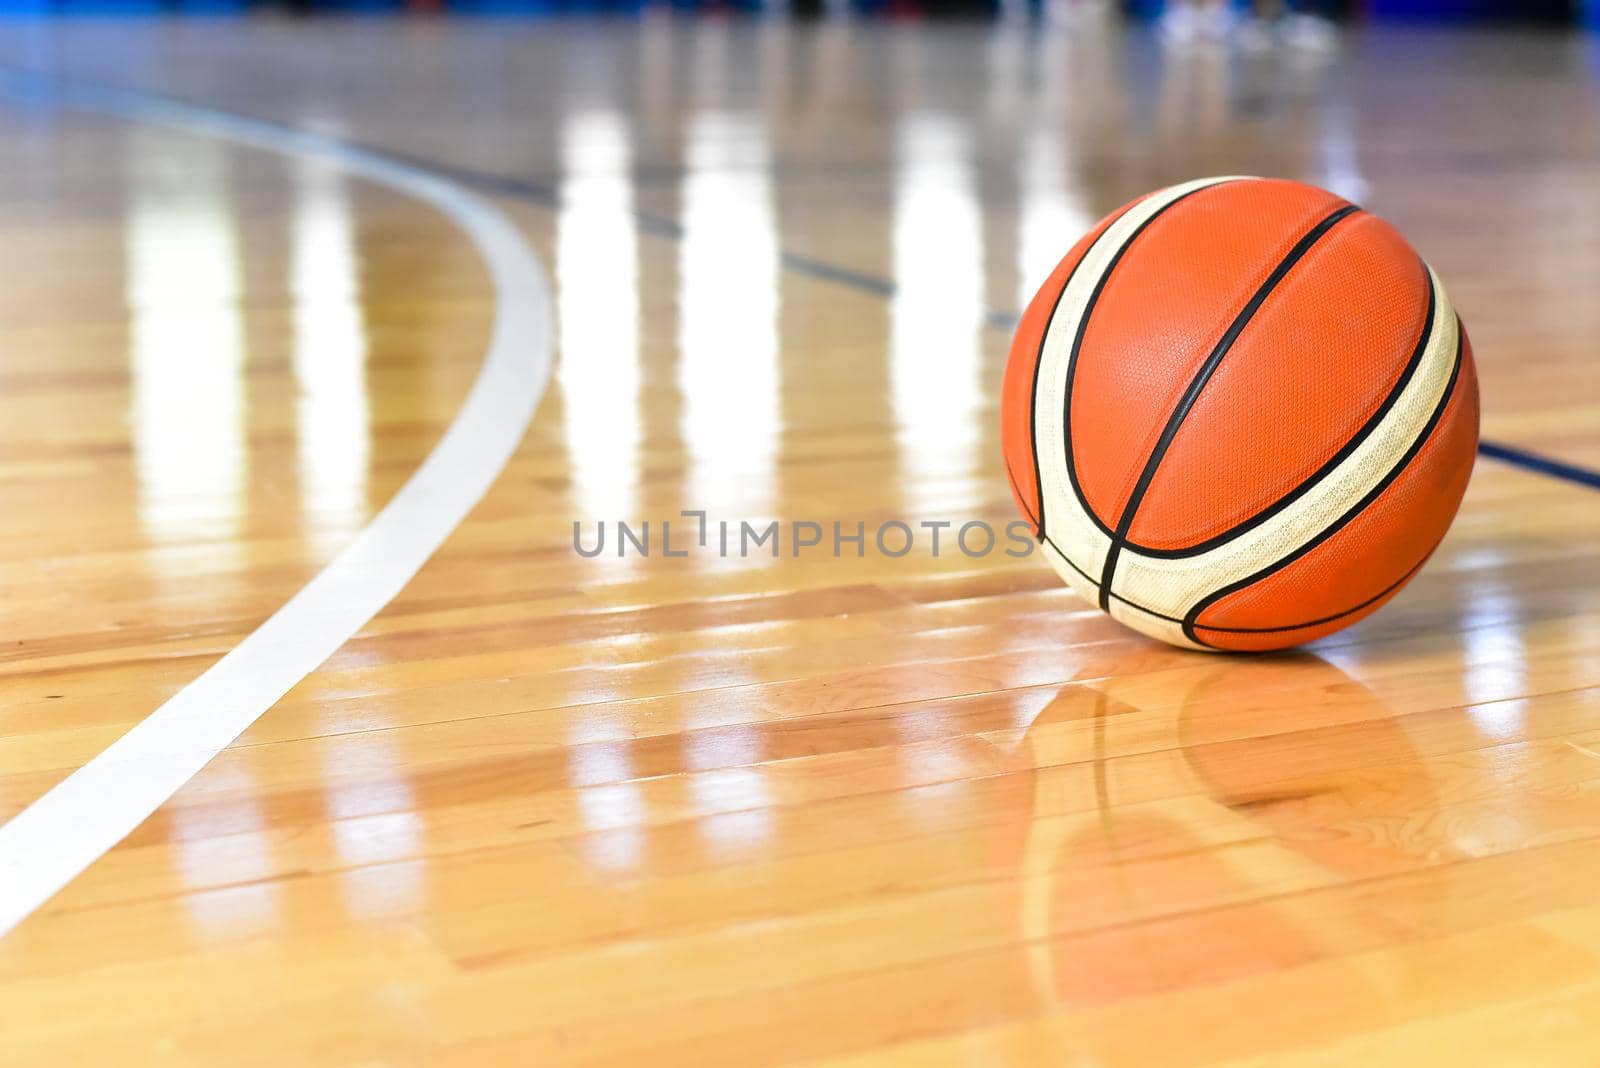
[
  {"x": 507, "y": 555},
  {"x": 1240, "y": 414}
]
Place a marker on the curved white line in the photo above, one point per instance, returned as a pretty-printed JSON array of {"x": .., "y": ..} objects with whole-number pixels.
[{"x": 51, "y": 841}]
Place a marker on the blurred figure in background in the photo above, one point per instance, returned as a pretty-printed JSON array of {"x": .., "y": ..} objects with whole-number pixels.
[
  {"x": 1194, "y": 21},
  {"x": 1306, "y": 24}
]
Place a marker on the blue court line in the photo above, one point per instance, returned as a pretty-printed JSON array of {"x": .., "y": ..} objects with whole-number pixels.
[
  {"x": 1530, "y": 461},
  {"x": 1494, "y": 450},
  {"x": 660, "y": 226},
  {"x": 548, "y": 196}
]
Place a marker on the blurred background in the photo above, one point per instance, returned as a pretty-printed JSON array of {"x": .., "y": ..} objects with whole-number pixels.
[{"x": 1187, "y": 16}]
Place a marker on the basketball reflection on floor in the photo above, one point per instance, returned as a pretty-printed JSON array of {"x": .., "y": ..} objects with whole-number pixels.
[{"x": 1168, "y": 844}]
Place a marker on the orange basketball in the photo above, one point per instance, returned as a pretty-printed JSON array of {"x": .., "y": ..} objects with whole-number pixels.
[{"x": 1240, "y": 414}]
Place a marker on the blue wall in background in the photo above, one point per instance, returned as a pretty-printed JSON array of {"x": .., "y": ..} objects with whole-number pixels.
[
  {"x": 1473, "y": 10},
  {"x": 1431, "y": 10}
]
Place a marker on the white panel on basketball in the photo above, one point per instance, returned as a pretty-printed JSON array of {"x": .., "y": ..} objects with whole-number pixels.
[
  {"x": 1155, "y": 626},
  {"x": 1171, "y": 586},
  {"x": 1069, "y": 531},
  {"x": 1079, "y": 585}
]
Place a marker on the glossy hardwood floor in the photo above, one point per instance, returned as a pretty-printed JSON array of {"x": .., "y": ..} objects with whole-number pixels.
[{"x": 548, "y": 809}]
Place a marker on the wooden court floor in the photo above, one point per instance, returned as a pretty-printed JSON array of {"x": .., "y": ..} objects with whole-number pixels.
[{"x": 547, "y": 809}]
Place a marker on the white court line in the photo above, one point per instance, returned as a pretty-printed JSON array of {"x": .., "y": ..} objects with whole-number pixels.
[{"x": 50, "y": 842}]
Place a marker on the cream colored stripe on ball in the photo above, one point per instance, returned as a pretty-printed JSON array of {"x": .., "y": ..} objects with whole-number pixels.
[
  {"x": 1069, "y": 530},
  {"x": 1171, "y": 586}
]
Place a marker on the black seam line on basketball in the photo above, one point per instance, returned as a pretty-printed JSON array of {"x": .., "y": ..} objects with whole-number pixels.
[
  {"x": 1380, "y": 595},
  {"x": 1198, "y": 383},
  {"x": 1011, "y": 480},
  {"x": 1366, "y": 430},
  {"x": 1038, "y": 357},
  {"x": 1115, "y": 596},
  {"x": 546, "y": 195},
  {"x": 1038, "y": 362},
  {"x": 1396, "y": 469},
  {"x": 1247, "y": 630},
  {"x": 1086, "y": 576},
  {"x": 1077, "y": 346}
]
